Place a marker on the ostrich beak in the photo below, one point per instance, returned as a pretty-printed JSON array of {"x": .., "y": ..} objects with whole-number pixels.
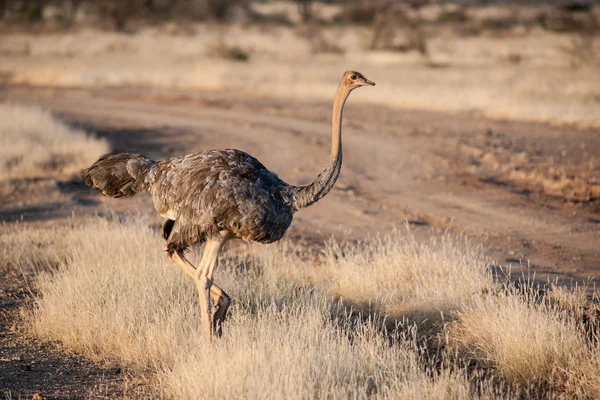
[{"x": 368, "y": 82}]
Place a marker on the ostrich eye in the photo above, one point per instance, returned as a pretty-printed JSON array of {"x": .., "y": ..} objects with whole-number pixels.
[{"x": 353, "y": 77}]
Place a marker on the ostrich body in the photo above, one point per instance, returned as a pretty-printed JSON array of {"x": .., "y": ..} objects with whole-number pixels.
[{"x": 216, "y": 195}]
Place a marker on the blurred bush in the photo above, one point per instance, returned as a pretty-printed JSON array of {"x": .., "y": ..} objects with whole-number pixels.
[
  {"x": 115, "y": 14},
  {"x": 394, "y": 16},
  {"x": 396, "y": 24},
  {"x": 220, "y": 48}
]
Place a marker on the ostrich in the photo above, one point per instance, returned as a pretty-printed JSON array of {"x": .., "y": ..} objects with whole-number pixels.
[{"x": 216, "y": 195}]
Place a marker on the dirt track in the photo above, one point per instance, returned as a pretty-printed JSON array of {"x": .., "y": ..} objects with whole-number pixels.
[{"x": 453, "y": 171}]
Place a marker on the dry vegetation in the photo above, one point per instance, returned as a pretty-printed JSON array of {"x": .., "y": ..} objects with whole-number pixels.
[
  {"x": 33, "y": 144},
  {"x": 299, "y": 327},
  {"x": 535, "y": 345},
  {"x": 517, "y": 63},
  {"x": 399, "y": 278}
]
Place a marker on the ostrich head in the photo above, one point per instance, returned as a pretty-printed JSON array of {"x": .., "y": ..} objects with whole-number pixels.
[{"x": 353, "y": 79}]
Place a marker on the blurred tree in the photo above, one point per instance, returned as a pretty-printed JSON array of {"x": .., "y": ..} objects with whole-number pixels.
[
  {"x": 220, "y": 9},
  {"x": 70, "y": 9},
  {"x": 393, "y": 14},
  {"x": 149, "y": 4},
  {"x": 120, "y": 12},
  {"x": 305, "y": 8}
]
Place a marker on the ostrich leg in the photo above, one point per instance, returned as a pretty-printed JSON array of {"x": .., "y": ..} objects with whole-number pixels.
[
  {"x": 204, "y": 283},
  {"x": 203, "y": 289},
  {"x": 221, "y": 299}
]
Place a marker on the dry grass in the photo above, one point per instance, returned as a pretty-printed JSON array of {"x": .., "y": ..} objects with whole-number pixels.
[
  {"x": 402, "y": 278},
  {"x": 32, "y": 249},
  {"x": 122, "y": 296},
  {"x": 475, "y": 73},
  {"x": 34, "y": 144},
  {"x": 535, "y": 345},
  {"x": 114, "y": 296}
]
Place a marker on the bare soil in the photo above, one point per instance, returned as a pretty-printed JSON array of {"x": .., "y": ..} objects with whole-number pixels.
[{"x": 529, "y": 193}]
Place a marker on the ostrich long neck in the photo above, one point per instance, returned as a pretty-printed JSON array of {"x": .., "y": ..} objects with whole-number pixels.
[{"x": 304, "y": 196}]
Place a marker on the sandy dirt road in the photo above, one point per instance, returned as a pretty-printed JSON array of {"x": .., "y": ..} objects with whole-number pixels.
[{"x": 433, "y": 171}]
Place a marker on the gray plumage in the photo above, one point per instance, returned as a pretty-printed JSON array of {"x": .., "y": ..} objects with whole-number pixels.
[
  {"x": 203, "y": 193},
  {"x": 216, "y": 195}
]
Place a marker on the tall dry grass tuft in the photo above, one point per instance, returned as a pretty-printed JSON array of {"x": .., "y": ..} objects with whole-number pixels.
[
  {"x": 532, "y": 344},
  {"x": 300, "y": 352},
  {"x": 32, "y": 249},
  {"x": 116, "y": 297},
  {"x": 403, "y": 278},
  {"x": 34, "y": 144}
]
